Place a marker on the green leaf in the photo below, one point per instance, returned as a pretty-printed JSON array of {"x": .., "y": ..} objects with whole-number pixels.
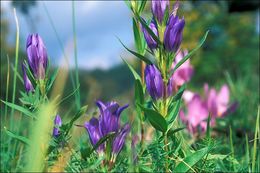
[
  {"x": 20, "y": 138},
  {"x": 171, "y": 132},
  {"x": 174, "y": 110},
  {"x": 155, "y": 118},
  {"x": 101, "y": 141},
  {"x": 141, "y": 57},
  {"x": 208, "y": 127},
  {"x": 19, "y": 108},
  {"x": 135, "y": 74},
  {"x": 78, "y": 114},
  {"x": 142, "y": 5},
  {"x": 186, "y": 164},
  {"x": 139, "y": 97},
  {"x": 190, "y": 54},
  {"x": 51, "y": 80},
  {"x": 139, "y": 93},
  {"x": 137, "y": 36}
]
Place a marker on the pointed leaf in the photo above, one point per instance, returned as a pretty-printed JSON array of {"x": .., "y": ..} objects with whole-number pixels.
[
  {"x": 190, "y": 54},
  {"x": 19, "y": 108},
  {"x": 135, "y": 74},
  {"x": 186, "y": 164},
  {"x": 155, "y": 118},
  {"x": 174, "y": 110},
  {"x": 20, "y": 138},
  {"x": 141, "y": 57}
]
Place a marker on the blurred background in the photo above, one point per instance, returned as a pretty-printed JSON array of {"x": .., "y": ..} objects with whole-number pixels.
[{"x": 229, "y": 55}]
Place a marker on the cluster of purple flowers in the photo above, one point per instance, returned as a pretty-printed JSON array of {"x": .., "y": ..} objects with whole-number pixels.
[
  {"x": 109, "y": 121},
  {"x": 172, "y": 35},
  {"x": 170, "y": 26}
]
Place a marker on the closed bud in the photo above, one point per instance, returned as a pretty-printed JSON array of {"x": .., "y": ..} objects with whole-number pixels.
[
  {"x": 173, "y": 33},
  {"x": 154, "y": 82},
  {"x": 158, "y": 9},
  {"x": 37, "y": 56}
]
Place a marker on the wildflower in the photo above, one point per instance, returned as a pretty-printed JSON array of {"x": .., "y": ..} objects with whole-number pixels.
[
  {"x": 27, "y": 83},
  {"x": 173, "y": 33},
  {"x": 197, "y": 113},
  {"x": 159, "y": 8},
  {"x": 57, "y": 124},
  {"x": 37, "y": 56},
  {"x": 152, "y": 44},
  {"x": 154, "y": 81},
  {"x": 108, "y": 122},
  {"x": 214, "y": 104},
  {"x": 218, "y": 102}
]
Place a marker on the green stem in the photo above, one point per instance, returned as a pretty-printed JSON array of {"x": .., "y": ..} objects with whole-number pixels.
[{"x": 75, "y": 55}]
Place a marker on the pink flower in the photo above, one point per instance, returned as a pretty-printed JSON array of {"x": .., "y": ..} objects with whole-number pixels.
[
  {"x": 197, "y": 109},
  {"x": 218, "y": 102},
  {"x": 196, "y": 115},
  {"x": 184, "y": 73}
]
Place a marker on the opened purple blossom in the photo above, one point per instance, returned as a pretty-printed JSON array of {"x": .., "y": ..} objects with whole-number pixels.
[
  {"x": 159, "y": 8},
  {"x": 154, "y": 81},
  {"x": 173, "y": 33},
  {"x": 27, "y": 83},
  {"x": 37, "y": 55},
  {"x": 57, "y": 124},
  {"x": 152, "y": 44},
  {"x": 120, "y": 139},
  {"x": 109, "y": 121}
]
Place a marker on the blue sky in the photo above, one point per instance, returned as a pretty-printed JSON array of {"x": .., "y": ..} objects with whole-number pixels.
[{"x": 97, "y": 25}]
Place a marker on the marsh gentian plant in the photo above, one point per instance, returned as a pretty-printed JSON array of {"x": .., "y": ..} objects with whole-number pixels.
[
  {"x": 108, "y": 122},
  {"x": 167, "y": 70}
]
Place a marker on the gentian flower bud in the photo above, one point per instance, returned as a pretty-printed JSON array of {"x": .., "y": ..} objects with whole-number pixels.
[
  {"x": 154, "y": 81},
  {"x": 120, "y": 139},
  {"x": 37, "y": 55},
  {"x": 27, "y": 83},
  {"x": 159, "y": 8},
  {"x": 152, "y": 44},
  {"x": 173, "y": 33},
  {"x": 57, "y": 124}
]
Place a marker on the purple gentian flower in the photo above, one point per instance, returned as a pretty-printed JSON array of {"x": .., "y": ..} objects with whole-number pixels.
[
  {"x": 37, "y": 55},
  {"x": 57, "y": 124},
  {"x": 120, "y": 139},
  {"x": 159, "y": 8},
  {"x": 27, "y": 83},
  {"x": 154, "y": 81},
  {"x": 152, "y": 44},
  {"x": 173, "y": 33},
  {"x": 109, "y": 121}
]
